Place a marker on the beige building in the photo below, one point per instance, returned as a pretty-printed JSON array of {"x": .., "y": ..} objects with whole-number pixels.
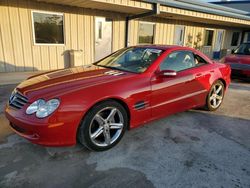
[{"x": 54, "y": 34}]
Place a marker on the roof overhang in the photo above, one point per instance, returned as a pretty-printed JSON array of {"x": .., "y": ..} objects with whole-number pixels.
[
  {"x": 204, "y": 7},
  {"x": 168, "y": 10},
  {"x": 128, "y": 7}
]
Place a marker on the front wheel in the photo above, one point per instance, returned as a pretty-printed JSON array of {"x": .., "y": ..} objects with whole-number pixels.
[
  {"x": 215, "y": 96},
  {"x": 103, "y": 126}
]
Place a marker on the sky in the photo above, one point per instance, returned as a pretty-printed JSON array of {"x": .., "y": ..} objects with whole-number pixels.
[
  {"x": 220, "y": 0},
  {"x": 207, "y": 0}
]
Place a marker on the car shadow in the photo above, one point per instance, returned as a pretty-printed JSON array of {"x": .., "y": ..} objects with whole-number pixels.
[{"x": 182, "y": 139}]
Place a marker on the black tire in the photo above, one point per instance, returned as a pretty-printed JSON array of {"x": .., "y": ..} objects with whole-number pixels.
[
  {"x": 84, "y": 131},
  {"x": 209, "y": 106}
]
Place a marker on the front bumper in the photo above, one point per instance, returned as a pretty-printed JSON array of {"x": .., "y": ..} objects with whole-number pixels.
[
  {"x": 241, "y": 73},
  {"x": 56, "y": 130}
]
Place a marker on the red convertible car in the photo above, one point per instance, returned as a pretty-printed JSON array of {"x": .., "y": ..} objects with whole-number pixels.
[
  {"x": 239, "y": 61},
  {"x": 96, "y": 104}
]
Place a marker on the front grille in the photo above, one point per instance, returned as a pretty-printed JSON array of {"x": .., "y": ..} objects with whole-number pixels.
[
  {"x": 17, "y": 100},
  {"x": 18, "y": 129}
]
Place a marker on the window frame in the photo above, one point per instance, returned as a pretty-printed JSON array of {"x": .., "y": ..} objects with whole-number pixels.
[
  {"x": 207, "y": 63},
  {"x": 208, "y": 29},
  {"x": 33, "y": 28},
  {"x": 245, "y": 43},
  {"x": 150, "y": 23},
  {"x": 190, "y": 51}
]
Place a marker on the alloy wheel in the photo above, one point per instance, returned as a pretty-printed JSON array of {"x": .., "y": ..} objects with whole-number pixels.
[
  {"x": 216, "y": 96},
  {"x": 106, "y": 126}
]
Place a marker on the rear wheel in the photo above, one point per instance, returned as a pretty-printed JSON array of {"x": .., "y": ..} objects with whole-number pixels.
[
  {"x": 103, "y": 126},
  {"x": 215, "y": 96}
]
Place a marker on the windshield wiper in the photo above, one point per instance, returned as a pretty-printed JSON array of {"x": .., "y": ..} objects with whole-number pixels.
[
  {"x": 115, "y": 68},
  {"x": 108, "y": 67}
]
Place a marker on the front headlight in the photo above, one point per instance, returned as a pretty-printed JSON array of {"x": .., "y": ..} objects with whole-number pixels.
[
  {"x": 35, "y": 106},
  {"x": 43, "y": 108}
]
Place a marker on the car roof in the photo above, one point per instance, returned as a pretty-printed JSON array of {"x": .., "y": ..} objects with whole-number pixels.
[
  {"x": 173, "y": 47},
  {"x": 162, "y": 47}
]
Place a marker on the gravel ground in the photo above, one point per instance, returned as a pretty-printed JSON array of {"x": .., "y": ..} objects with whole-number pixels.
[{"x": 190, "y": 149}]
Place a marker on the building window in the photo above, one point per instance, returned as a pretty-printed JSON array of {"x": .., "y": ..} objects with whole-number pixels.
[
  {"x": 235, "y": 38},
  {"x": 47, "y": 28},
  {"x": 246, "y": 36},
  {"x": 209, "y": 37},
  {"x": 146, "y": 33}
]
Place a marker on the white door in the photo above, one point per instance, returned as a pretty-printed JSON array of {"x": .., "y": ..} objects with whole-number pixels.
[
  {"x": 103, "y": 37},
  {"x": 179, "y": 35},
  {"x": 218, "y": 41}
]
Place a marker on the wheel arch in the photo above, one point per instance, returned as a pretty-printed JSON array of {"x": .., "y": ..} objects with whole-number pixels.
[
  {"x": 81, "y": 136},
  {"x": 124, "y": 104},
  {"x": 118, "y": 100},
  {"x": 224, "y": 82}
]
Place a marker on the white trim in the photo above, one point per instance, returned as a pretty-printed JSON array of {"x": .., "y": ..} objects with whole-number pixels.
[
  {"x": 152, "y": 23},
  {"x": 33, "y": 28},
  {"x": 209, "y": 29},
  {"x": 187, "y": 78}
]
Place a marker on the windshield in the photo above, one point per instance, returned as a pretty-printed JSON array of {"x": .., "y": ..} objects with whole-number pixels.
[
  {"x": 243, "y": 49},
  {"x": 136, "y": 59}
]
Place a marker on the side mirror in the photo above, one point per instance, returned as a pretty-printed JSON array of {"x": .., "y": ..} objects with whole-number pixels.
[
  {"x": 167, "y": 73},
  {"x": 233, "y": 50}
]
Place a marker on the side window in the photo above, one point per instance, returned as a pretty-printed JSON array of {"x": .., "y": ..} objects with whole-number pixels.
[
  {"x": 178, "y": 60},
  {"x": 199, "y": 61}
]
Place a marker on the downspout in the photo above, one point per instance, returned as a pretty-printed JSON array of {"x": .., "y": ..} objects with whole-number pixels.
[{"x": 155, "y": 11}]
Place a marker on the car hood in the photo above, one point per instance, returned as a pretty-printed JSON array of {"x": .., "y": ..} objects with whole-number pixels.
[
  {"x": 235, "y": 58},
  {"x": 63, "y": 81}
]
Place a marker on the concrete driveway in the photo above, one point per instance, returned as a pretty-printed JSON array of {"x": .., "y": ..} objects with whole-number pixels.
[{"x": 190, "y": 149}]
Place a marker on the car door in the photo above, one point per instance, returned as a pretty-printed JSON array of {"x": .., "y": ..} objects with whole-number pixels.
[
  {"x": 202, "y": 71},
  {"x": 176, "y": 93}
]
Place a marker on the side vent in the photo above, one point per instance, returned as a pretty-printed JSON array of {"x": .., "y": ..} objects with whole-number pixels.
[{"x": 140, "y": 105}]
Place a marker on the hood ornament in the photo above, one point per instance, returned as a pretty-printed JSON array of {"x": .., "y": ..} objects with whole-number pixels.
[{"x": 114, "y": 73}]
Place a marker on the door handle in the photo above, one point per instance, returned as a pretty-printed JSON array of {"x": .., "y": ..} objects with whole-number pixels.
[{"x": 198, "y": 75}]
